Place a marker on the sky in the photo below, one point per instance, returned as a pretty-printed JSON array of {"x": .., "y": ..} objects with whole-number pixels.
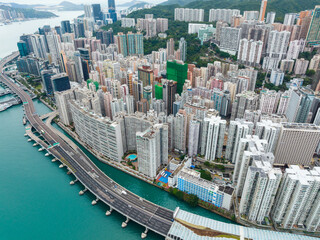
[{"x": 53, "y": 2}]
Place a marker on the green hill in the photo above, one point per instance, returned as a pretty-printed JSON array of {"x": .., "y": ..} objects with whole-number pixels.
[{"x": 29, "y": 12}]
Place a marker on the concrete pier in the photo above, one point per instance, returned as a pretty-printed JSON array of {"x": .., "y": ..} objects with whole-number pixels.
[
  {"x": 125, "y": 223},
  {"x": 108, "y": 213},
  {"x": 82, "y": 191},
  {"x": 144, "y": 234},
  {"x": 94, "y": 202}
]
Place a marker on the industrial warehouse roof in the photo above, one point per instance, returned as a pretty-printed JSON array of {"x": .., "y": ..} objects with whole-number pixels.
[{"x": 195, "y": 227}]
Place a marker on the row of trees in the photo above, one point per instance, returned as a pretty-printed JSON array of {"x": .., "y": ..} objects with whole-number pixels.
[{"x": 191, "y": 199}]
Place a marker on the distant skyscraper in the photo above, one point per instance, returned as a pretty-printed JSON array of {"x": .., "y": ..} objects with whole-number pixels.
[
  {"x": 170, "y": 47},
  {"x": 60, "y": 82},
  {"x": 111, "y": 4},
  {"x": 183, "y": 49},
  {"x": 65, "y": 26},
  {"x": 270, "y": 17},
  {"x": 289, "y": 18},
  {"x": 96, "y": 10},
  {"x": 22, "y": 46},
  {"x": 87, "y": 11},
  {"x": 263, "y": 10},
  {"x": 313, "y": 37},
  {"x": 299, "y": 105},
  {"x": 169, "y": 91}
]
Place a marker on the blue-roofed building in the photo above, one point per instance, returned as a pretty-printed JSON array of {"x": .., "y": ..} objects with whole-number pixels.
[{"x": 189, "y": 181}]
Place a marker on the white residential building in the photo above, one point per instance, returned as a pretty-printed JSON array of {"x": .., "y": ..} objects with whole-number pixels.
[
  {"x": 250, "y": 148},
  {"x": 261, "y": 185},
  {"x": 152, "y": 149},
  {"x": 270, "y": 131},
  {"x": 278, "y": 44},
  {"x": 249, "y": 52},
  {"x": 212, "y": 138},
  {"x": 268, "y": 101},
  {"x": 128, "y": 22},
  {"x": 222, "y": 15},
  {"x": 237, "y": 129},
  {"x": 297, "y": 196},
  {"x": 101, "y": 134},
  {"x": 62, "y": 102},
  {"x": 276, "y": 77},
  {"x": 193, "y": 139},
  {"x": 301, "y": 66},
  {"x": 188, "y": 15},
  {"x": 229, "y": 40},
  {"x": 295, "y": 47}
]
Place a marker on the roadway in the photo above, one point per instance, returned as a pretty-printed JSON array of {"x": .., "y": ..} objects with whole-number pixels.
[{"x": 145, "y": 213}]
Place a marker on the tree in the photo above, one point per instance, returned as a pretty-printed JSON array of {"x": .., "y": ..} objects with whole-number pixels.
[
  {"x": 207, "y": 164},
  {"x": 307, "y": 81},
  {"x": 310, "y": 73},
  {"x": 205, "y": 175},
  {"x": 192, "y": 200}
]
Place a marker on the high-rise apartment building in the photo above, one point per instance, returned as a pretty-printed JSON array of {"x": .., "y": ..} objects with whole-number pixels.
[
  {"x": 301, "y": 66},
  {"x": 103, "y": 135},
  {"x": 183, "y": 49},
  {"x": 229, "y": 39},
  {"x": 152, "y": 149},
  {"x": 237, "y": 130},
  {"x": 283, "y": 103},
  {"x": 289, "y": 19},
  {"x": 297, "y": 200},
  {"x": 193, "y": 138},
  {"x": 250, "y": 52},
  {"x": 188, "y": 15},
  {"x": 249, "y": 148},
  {"x": 297, "y": 143},
  {"x": 263, "y": 8},
  {"x": 299, "y": 105},
  {"x": 212, "y": 139},
  {"x": 180, "y": 131},
  {"x": 62, "y": 102},
  {"x": 261, "y": 185},
  {"x": 295, "y": 47},
  {"x": 270, "y": 131},
  {"x": 271, "y": 16},
  {"x": 247, "y": 100},
  {"x": 268, "y": 101},
  {"x": 278, "y": 44},
  {"x": 224, "y": 15},
  {"x": 87, "y": 11},
  {"x": 96, "y": 12},
  {"x": 276, "y": 77}
]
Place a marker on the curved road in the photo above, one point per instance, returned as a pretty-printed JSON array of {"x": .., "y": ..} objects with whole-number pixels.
[{"x": 145, "y": 213}]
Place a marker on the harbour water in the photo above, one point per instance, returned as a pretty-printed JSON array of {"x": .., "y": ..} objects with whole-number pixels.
[{"x": 37, "y": 201}]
